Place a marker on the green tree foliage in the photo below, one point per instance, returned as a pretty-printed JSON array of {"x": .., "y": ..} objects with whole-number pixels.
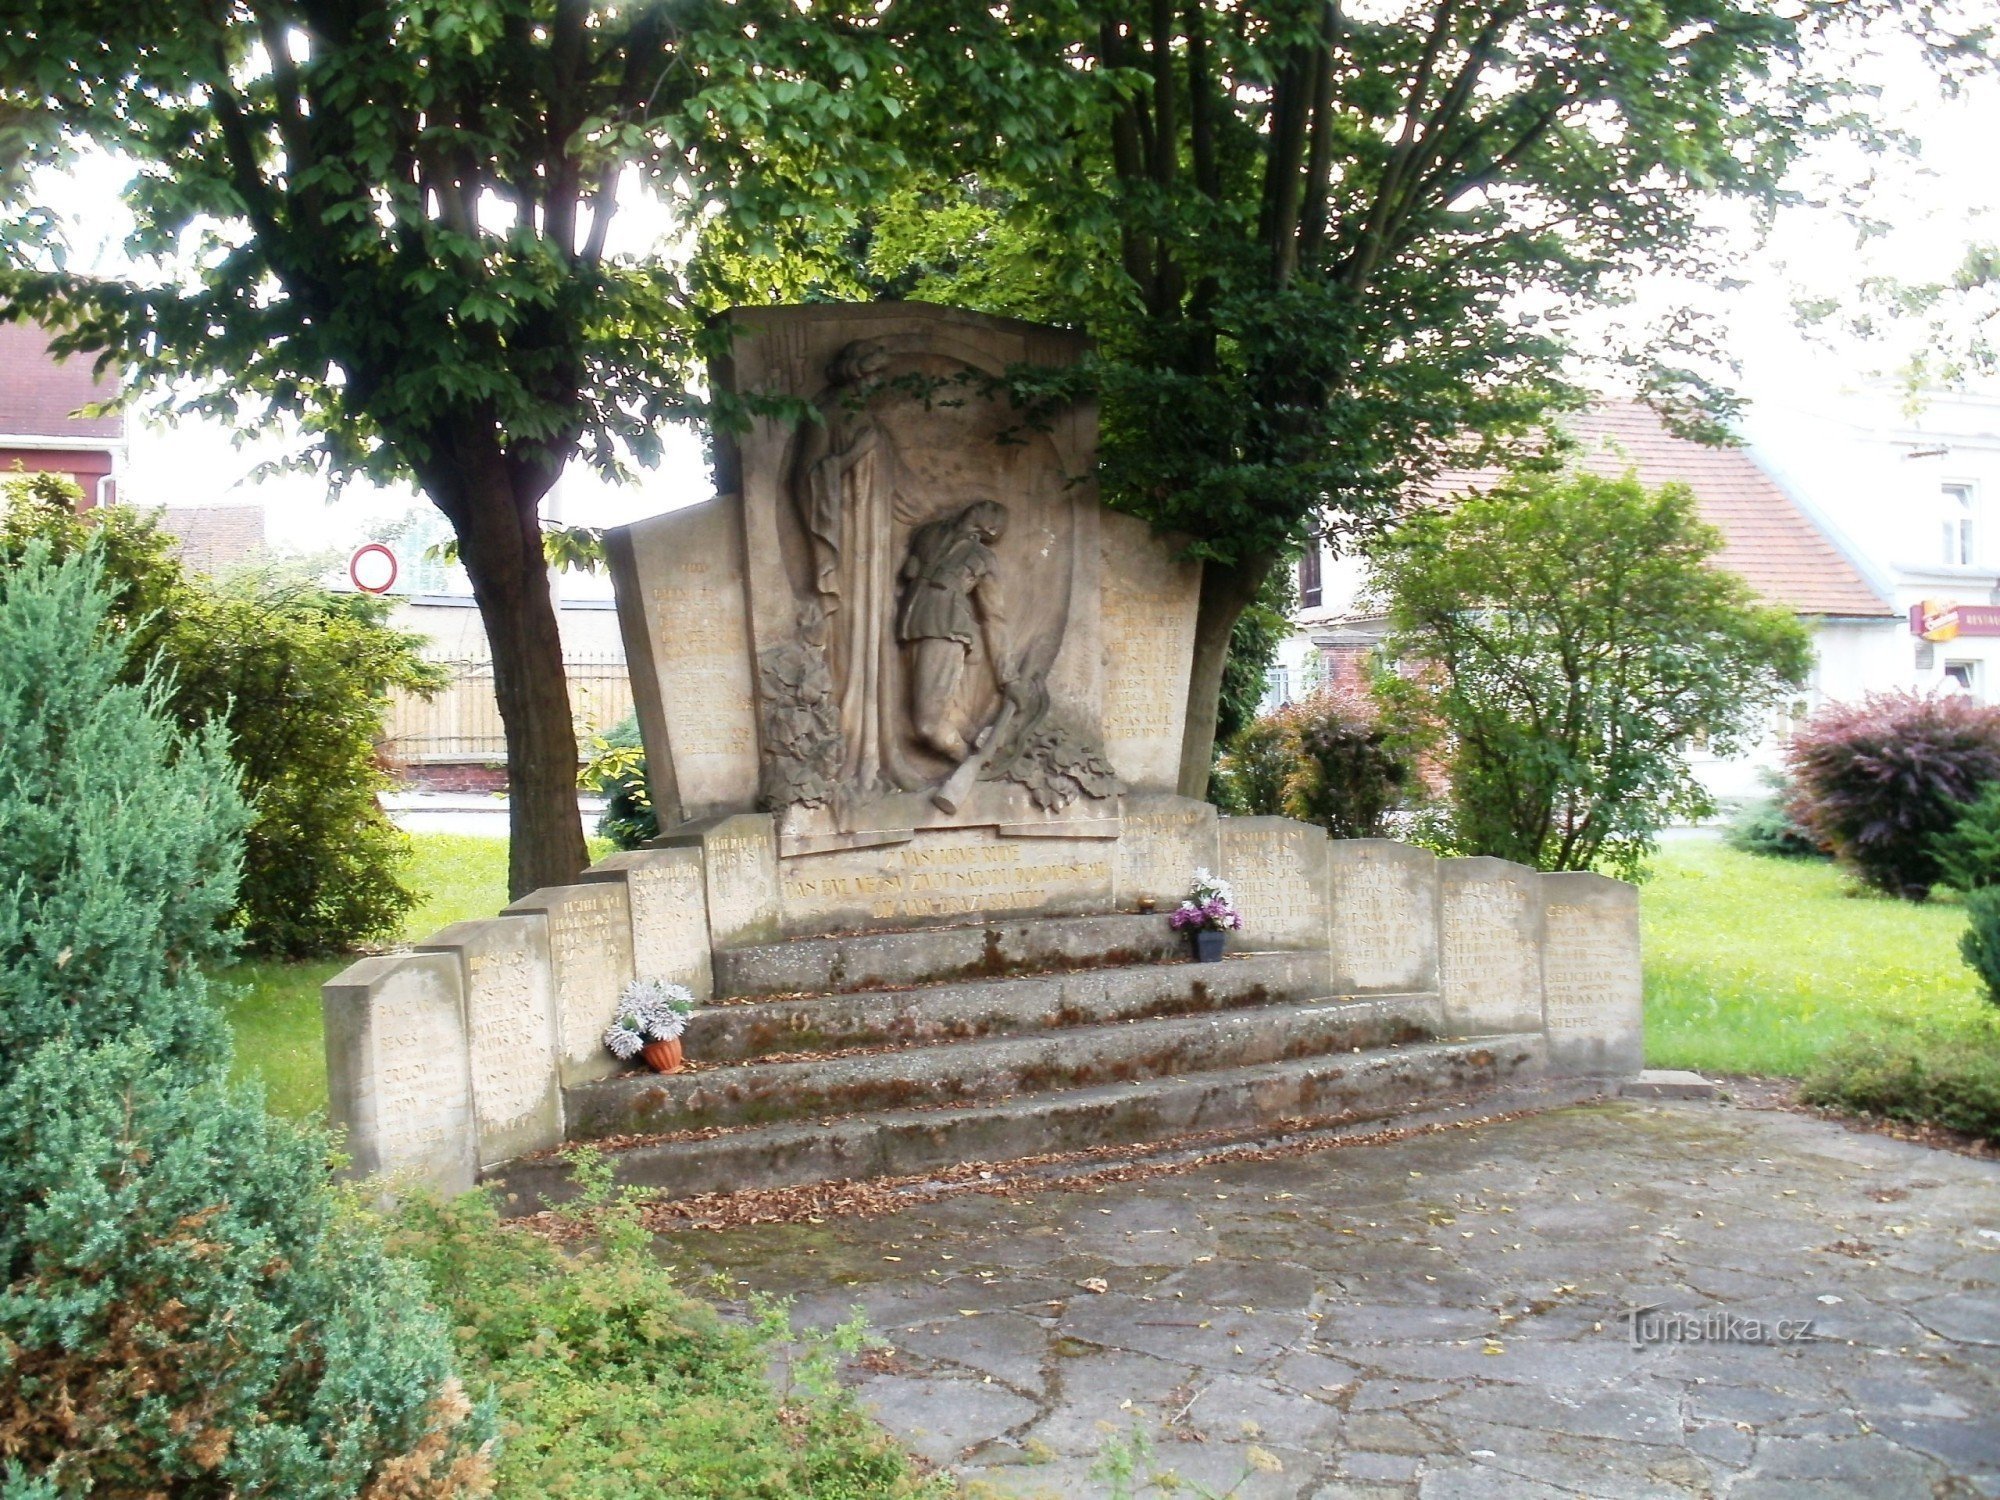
[
  {"x": 185, "y": 1308},
  {"x": 390, "y": 226},
  {"x": 119, "y": 833},
  {"x": 1765, "y": 825},
  {"x": 617, "y": 772},
  {"x": 1328, "y": 758},
  {"x": 299, "y": 677},
  {"x": 1879, "y": 781},
  {"x": 1253, "y": 648},
  {"x": 1324, "y": 251},
  {"x": 1979, "y": 945},
  {"x": 1563, "y": 638},
  {"x": 1968, "y": 852}
]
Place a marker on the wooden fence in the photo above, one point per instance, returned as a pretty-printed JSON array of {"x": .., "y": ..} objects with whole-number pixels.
[{"x": 462, "y": 723}]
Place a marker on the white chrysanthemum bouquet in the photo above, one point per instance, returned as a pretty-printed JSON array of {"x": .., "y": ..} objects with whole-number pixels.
[{"x": 650, "y": 1010}]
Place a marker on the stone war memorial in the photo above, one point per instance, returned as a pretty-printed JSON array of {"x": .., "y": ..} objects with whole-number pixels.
[{"x": 912, "y": 703}]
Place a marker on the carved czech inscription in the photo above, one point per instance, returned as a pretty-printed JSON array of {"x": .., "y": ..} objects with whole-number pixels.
[
  {"x": 1490, "y": 960},
  {"x": 947, "y": 876},
  {"x": 1384, "y": 924},
  {"x": 1279, "y": 871},
  {"x": 1590, "y": 973}
]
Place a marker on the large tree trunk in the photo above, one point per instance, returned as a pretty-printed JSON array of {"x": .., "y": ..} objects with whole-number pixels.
[
  {"x": 1226, "y": 591},
  {"x": 500, "y": 544}
]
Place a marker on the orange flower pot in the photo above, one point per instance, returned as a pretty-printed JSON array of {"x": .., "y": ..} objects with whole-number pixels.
[{"x": 663, "y": 1057}]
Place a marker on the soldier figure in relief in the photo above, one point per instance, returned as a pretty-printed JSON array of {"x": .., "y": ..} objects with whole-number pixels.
[{"x": 951, "y": 588}]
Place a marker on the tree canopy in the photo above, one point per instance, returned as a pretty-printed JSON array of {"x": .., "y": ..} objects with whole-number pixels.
[
  {"x": 1325, "y": 247},
  {"x": 1563, "y": 640}
]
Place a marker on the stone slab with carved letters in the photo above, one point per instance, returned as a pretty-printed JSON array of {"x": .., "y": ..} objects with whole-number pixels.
[
  {"x": 510, "y": 1023},
  {"x": 590, "y": 959},
  {"x": 1382, "y": 916},
  {"x": 1162, "y": 841},
  {"x": 399, "y": 1073},
  {"x": 1279, "y": 869},
  {"x": 1490, "y": 945},
  {"x": 668, "y": 899},
  {"x": 1593, "y": 996}
]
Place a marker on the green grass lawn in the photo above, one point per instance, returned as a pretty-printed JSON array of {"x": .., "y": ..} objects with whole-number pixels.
[
  {"x": 1756, "y": 965},
  {"x": 275, "y": 1006}
]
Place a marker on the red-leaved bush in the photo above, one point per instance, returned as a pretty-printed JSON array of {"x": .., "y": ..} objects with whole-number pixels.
[{"x": 1877, "y": 781}]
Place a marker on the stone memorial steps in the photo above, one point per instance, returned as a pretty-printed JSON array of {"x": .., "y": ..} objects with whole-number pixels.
[
  {"x": 985, "y": 950},
  {"x": 951, "y": 1073},
  {"x": 969, "y": 1009},
  {"x": 1386, "y": 1086}
]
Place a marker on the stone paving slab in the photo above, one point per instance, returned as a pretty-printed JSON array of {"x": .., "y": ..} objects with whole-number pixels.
[{"x": 1441, "y": 1316}]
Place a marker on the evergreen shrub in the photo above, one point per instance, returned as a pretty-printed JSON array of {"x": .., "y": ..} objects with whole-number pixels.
[
  {"x": 186, "y": 1306},
  {"x": 119, "y": 833},
  {"x": 1765, "y": 826},
  {"x": 299, "y": 676},
  {"x": 1948, "y": 1076},
  {"x": 1877, "y": 781},
  {"x": 186, "y": 1309},
  {"x": 1968, "y": 852}
]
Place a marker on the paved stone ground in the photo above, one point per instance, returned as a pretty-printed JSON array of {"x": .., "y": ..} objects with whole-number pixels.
[{"x": 1441, "y": 1316}]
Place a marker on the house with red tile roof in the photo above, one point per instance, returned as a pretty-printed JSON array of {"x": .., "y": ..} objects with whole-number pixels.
[
  {"x": 41, "y": 429},
  {"x": 1772, "y": 537}
]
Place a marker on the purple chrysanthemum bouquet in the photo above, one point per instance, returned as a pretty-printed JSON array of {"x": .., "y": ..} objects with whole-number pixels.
[{"x": 1210, "y": 906}]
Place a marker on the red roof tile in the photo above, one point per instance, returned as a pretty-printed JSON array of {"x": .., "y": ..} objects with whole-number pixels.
[
  {"x": 1766, "y": 539},
  {"x": 38, "y": 394}
]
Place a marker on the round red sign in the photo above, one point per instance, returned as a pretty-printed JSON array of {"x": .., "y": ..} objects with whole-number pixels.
[{"x": 372, "y": 568}]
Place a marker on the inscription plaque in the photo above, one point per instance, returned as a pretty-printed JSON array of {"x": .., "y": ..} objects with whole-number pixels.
[
  {"x": 510, "y": 1019},
  {"x": 1490, "y": 940},
  {"x": 945, "y": 876},
  {"x": 686, "y": 624},
  {"x": 399, "y": 1080},
  {"x": 1163, "y": 840},
  {"x": 590, "y": 958},
  {"x": 1383, "y": 926},
  {"x": 1279, "y": 870},
  {"x": 739, "y": 861},
  {"x": 1593, "y": 994},
  {"x": 1147, "y": 607},
  {"x": 669, "y": 904}
]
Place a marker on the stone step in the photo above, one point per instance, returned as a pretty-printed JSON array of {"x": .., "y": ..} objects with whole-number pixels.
[
  {"x": 993, "y": 1007},
  {"x": 966, "y": 1072},
  {"x": 1385, "y": 1083},
  {"x": 986, "y": 950}
]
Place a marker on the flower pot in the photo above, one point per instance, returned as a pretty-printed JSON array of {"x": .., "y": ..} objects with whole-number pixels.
[
  {"x": 663, "y": 1057},
  {"x": 1208, "y": 945}
]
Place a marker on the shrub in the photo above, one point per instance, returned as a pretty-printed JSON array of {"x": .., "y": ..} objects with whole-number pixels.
[
  {"x": 1250, "y": 777},
  {"x": 1765, "y": 826},
  {"x": 617, "y": 770},
  {"x": 185, "y": 1311},
  {"x": 184, "y": 1307},
  {"x": 1563, "y": 638},
  {"x": 1968, "y": 852},
  {"x": 1980, "y": 944},
  {"x": 119, "y": 834},
  {"x": 1328, "y": 758},
  {"x": 1921, "y": 1076},
  {"x": 620, "y": 1386},
  {"x": 299, "y": 676},
  {"x": 1350, "y": 774},
  {"x": 1877, "y": 781}
]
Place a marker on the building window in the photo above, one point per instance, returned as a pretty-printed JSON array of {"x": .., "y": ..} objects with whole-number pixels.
[
  {"x": 1277, "y": 690},
  {"x": 1960, "y": 534},
  {"x": 1309, "y": 584},
  {"x": 1965, "y": 674}
]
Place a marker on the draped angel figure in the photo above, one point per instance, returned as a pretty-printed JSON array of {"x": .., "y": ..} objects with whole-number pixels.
[{"x": 852, "y": 493}]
